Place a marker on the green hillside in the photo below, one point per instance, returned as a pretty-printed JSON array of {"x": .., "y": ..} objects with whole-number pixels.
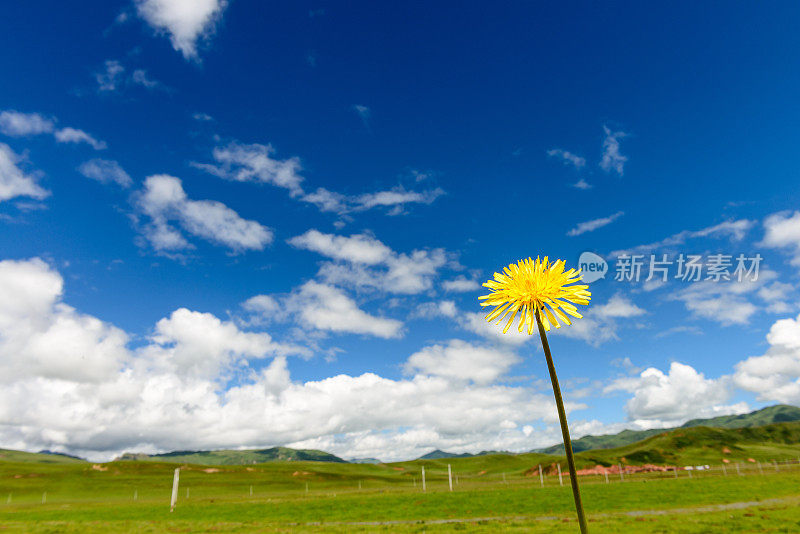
[
  {"x": 704, "y": 445},
  {"x": 7, "y": 455},
  {"x": 234, "y": 457},
  {"x": 779, "y": 413}
]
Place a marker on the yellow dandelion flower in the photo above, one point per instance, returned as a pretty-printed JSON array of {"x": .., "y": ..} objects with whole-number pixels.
[{"x": 530, "y": 286}]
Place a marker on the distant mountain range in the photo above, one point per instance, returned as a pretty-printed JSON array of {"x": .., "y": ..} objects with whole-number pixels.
[
  {"x": 629, "y": 442},
  {"x": 438, "y": 455},
  {"x": 780, "y": 413},
  {"x": 235, "y": 457}
]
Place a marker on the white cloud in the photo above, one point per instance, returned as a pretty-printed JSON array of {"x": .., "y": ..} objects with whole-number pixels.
[
  {"x": 591, "y": 226},
  {"x": 661, "y": 400},
  {"x": 364, "y": 114},
  {"x": 40, "y": 336},
  {"x": 185, "y": 21},
  {"x": 16, "y": 124},
  {"x": 140, "y": 77},
  {"x": 13, "y": 181},
  {"x": 612, "y": 157},
  {"x": 461, "y": 284},
  {"x": 68, "y": 379},
  {"x": 600, "y": 322},
  {"x": 73, "y": 135},
  {"x": 735, "y": 230},
  {"x": 198, "y": 344},
  {"x": 729, "y": 302},
  {"x": 782, "y": 231},
  {"x": 775, "y": 375},
  {"x": 163, "y": 199},
  {"x": 619, "y": 307},
  {"x": 462, "y": 362},
  {"x": 255, "y": 163},
  {"x": 396, "y": 197},
  {"x": 568, "y": 158},
  {"x": 110, "y": 79},
  {"x": 366, "y": 263},
  {"x": 582, "y": 184},
  {"x": 105, "y": 171},
  {"x": 327, "y": 308},
  {"x": 359, "y": 248}
]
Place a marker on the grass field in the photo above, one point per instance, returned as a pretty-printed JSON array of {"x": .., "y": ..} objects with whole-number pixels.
[{"x": 492, "y": 494}]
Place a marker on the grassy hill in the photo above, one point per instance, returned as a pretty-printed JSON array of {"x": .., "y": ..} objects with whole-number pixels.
[
  {"x": 704, "y": 445},
  {"x": 7, "y": 455},
  {"x": 235, "y": 457},
  {"x": 779, "y": 413}
]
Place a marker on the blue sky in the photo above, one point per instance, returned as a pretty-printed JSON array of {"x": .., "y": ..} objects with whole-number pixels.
[{"x": 271, "y": 221}]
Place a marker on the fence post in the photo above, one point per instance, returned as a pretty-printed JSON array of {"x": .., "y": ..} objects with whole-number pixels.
[
  {"x": 423, "y": 479},
  {"x": 44, "y": 497},
  {"x": 541, "y": 477},
  {"x": 560, "y": 480},
  {"x": 174, "y": 498},
  {"x": 621, "y": 478},
  {"x": 738, "y": 472},
  {"x": 776, "y": 465},
  {"x": 759, "y": 468},
  {"x": 724, "y": 470},
  {"x": 450, "y": 477},
  {"x": 605, "y": 473}
]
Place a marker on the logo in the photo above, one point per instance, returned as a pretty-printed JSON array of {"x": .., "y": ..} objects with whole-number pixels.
[{"x": 592, "y": 266}]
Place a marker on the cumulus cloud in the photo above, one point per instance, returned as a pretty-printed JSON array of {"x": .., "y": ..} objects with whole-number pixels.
[
  {"x": 326, "y": 308},
  {"x": 568, "y": 158},
  {"x": 359, "y": 248},
  {"x": 582, "y": 184},
  {"x": 111, "y": 77},
  {"x": 16, "y": 124},
  {"x": 613, "y": 160},
  {"x": 105, "y": 171},
  {"x": 670, "y": 399},
  {"x": 364, "y": 262},
  {"x": 163, "y": 200},
  {"x": 591, "y": 226},
  {"x": 255, "y": 163},
  {"x": 775, "y": 375},
  {"x": 600, "y": 322},
  {"x": 42, "y": 337},
  {"x": 14, "y": 182},
  {"x": 184, "y": 21},
  {"x": 198, "y": 344},
  {"x": 782, "y": 231},
  {"x": 73, "y": 135},
  {"x": 461, "y": 284},
  {"x": 68, "y": 379},
  {"x": 733, "y": 302},
  {"x": 462, "y": 362},
  {"x": 734, "y": 230}
]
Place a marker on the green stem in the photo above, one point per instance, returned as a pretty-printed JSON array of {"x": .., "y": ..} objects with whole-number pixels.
[{"x": 562, "y": 417}]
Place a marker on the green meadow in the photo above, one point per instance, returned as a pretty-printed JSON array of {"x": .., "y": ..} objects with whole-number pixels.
[{"x": 497, "y": 492}]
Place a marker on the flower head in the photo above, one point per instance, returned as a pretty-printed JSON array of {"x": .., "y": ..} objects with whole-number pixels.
[{"x": 529, "y": 285}]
